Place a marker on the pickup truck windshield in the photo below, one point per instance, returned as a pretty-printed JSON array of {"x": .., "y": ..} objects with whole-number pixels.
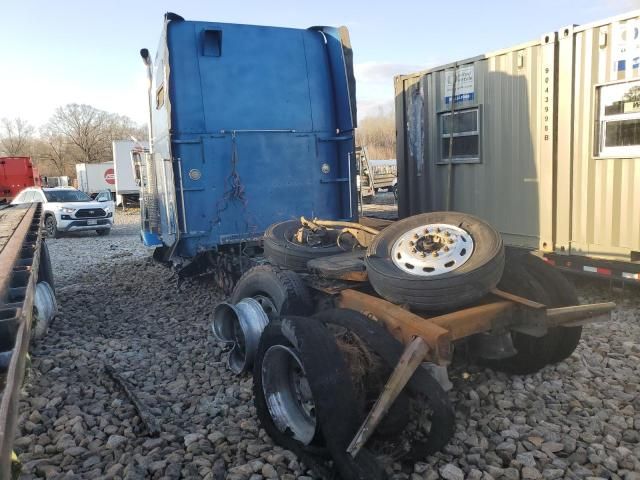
[{"x": 66, "y": 196}]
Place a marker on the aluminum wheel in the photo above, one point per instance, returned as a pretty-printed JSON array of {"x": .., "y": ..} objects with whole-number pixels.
[
  {"x": 288, "y": 394},
  {"x": 432, "y": 249},
  {"x": 267, "y": 305}
]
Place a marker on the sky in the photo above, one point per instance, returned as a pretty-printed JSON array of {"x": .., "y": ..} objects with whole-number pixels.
[{"x": 86, "y": 51}]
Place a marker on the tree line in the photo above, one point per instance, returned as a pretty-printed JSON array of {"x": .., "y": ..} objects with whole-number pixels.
[
  {"x": 378, "y": 135},
  {"x": 83, "y": 134},
  {"x": 75, "y": 133}
]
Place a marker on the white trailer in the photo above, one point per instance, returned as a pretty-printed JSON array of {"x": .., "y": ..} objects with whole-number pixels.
[
  {"x": 126, "y": 185},
  {"x": 94, "y": 178}
]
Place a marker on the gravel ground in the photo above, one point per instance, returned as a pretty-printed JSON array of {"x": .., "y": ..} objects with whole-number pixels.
[{"x": 577, "y": 419}]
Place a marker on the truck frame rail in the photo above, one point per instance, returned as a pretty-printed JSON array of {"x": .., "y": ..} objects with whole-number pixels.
[{"x": 20, "y": 247}]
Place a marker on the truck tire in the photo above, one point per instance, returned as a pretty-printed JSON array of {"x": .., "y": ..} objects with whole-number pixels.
[
  {"x": 51, "y": 227},
  {"x": 281, "y": 250},
  {"x": 533, "y": 353},
  {"x": 422, "y": 383},
  {"x": 319, "y": 418},
  {"x": 436, "y": 261},
  {"x": 561, "y": 293},
  {"x": 280, "y": 292},
  {"x": 45, "y": 270}
]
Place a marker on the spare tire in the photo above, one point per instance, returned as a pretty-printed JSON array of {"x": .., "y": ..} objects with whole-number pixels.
[
  {"x": 436, "y": 261},
  {"x": 281, "y": 248}
]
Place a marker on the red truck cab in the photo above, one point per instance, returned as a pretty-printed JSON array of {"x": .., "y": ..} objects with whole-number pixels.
[{"x": 16, "y": 174}]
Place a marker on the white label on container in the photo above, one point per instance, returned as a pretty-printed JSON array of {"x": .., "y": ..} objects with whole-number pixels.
[{"x": 465, "y": 90}]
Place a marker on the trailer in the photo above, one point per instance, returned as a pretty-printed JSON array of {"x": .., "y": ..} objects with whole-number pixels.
[
  {"x": 27, "y": 307},
  {"x": 249, "y": 125},
  {"x": 127, "y": 189},
  {"x": 94, "y": 178},
  {"x": 539, "y": 140},
  {"x": 374, "y": 175},
  {"x": 16, "y": 174},
  {"x": 349, "y": 330}
]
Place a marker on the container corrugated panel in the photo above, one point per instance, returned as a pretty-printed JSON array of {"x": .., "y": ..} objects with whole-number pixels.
[
  {"x": 605, "y": 203},
  {"x": 540, "y": 178},
  {"x": 508, "y": 167}
]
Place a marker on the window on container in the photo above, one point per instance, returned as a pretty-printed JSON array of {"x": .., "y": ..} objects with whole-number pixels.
[
  {"x": 464, "y": 128},
  {"x": 619, "y": 120}
]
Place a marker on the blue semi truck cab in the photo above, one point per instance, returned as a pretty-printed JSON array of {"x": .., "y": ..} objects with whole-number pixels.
[{"x": 249, "y": 125}]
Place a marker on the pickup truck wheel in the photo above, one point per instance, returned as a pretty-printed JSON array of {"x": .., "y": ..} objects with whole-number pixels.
[
  {"x": 103, "y": 232},
  {"x": 51, "y": 227},
  {"x": 282, "y": 249},
  {"x": 279, "y": 292},
  {"x": 304, "y": 396},
  {"x": 435, "y": 261}
]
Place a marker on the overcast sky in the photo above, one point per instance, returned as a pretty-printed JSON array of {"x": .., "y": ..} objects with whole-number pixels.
[{"x": 86, "y": 51}]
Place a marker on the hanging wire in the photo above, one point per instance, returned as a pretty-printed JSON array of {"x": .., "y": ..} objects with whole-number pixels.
[{"x": 234, "y": 191}]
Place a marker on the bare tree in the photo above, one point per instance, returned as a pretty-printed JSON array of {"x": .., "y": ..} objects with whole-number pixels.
[
  {"x": 82, "y": 126},
  {"x": 15, "y": 136},
  {"x": 54, "y": 154},
  {"x": 89, "y": 130}
]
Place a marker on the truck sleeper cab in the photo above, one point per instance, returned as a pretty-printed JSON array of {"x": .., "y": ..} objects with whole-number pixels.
[{"x": 249, "y": 125}]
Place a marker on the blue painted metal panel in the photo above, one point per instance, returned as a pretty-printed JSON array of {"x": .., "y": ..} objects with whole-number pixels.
[{"x": 260, "y": 129}]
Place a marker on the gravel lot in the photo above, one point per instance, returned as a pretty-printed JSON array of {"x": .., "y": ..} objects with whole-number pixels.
[{"x": 577, "y": 419}]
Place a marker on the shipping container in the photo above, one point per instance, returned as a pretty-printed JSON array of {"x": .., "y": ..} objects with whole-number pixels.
[
  {"x": 541, "y": 139},
  {"x": 94, "y": 178},
  {"x": 16, "y": 174}
]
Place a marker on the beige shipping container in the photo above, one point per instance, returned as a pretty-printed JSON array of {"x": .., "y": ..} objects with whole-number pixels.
[{"x": 546, "y": 140}]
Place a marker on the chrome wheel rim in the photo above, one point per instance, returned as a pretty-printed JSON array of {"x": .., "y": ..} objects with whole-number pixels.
[
  {"x": 432, "y": 249},
  {"x": 288, "y": 394}
]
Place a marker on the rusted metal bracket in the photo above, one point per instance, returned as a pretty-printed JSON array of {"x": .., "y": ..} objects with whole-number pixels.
[
  {"x": 431, "y": 338},
  {"x": 517, "y": 299},
  {"x": 413, "y": 355},
  {"x": 401, "y": 323},
  {"x": 579, "y": 314}
]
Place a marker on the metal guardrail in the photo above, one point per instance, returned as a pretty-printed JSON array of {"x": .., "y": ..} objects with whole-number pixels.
[{"x": 19, "y": 264}]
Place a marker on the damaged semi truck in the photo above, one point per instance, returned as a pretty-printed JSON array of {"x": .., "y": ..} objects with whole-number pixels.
[
  {"x": 248, "y": 125},
  {"x": 349, "y": 324}
]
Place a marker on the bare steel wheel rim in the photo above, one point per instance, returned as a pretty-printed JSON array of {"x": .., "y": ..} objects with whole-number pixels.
[
  {"x": 432, "y": 249},
  {"x": 288, "y": 394}
]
